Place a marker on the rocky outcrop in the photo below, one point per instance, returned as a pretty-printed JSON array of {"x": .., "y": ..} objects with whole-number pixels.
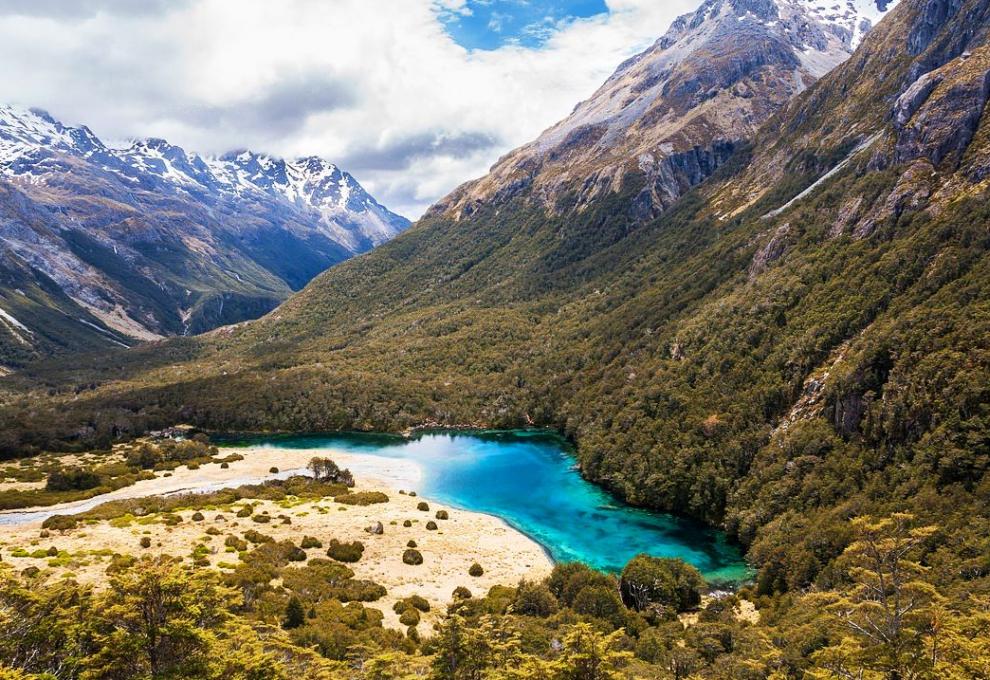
[{"x": 939, "y": 113}]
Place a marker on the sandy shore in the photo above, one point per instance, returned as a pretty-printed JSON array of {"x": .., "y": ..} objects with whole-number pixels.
[
  {"x": 506, "y": 554},
  {"x": 373, "y": 471}
]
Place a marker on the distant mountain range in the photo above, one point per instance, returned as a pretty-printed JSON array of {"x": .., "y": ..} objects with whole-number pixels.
[{"x": 102, "y": 245}]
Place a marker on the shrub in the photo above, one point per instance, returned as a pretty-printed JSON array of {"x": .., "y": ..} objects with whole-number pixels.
[
  {"x": 294, "y": 614},
  {"x": 261, "y": 519},
  {"x": 60, "y": 523},
  {"x": 224, "y": 465},
  {"x": 407, "y": 523},
  {"x": 362, "y": 498},
  {"x": 72, "y": 480},
  {"x": 660, "y": 584},
  {"x": 601, "y": 602},
  {"x": 296, "y": 554},
  {"x": 236, "y": 543},
  {"x": 198, "y": 516},
  {"x": 145, "y": 542},
  {"x": 534, "y": 599},
  {"x": 475, "y": 570},
  {"x": 419, "y": 602},
  {"x": 412, "y": 556},
  {"x": 246, "y": 511},
  {"x": 411, "y": 544},
  {"x": 567, "y": 579},
  {"x": 325, "y": 470},
  {"x": 171, "y": 519},
  {"x": 431, "y": 526},
  {"x": 310, "y": 542},
  {"x": 345, "y": 552},
  {"x": 425, "y": 507},
  {"x": 212, "y": 531},
  {"x": 461, "y": 593},
  {"x": 257, "y": 537},
  {"x": 409, "y": 617},
  {"x": 273, "y": 470},
  {"x": 442, "y": 514}
]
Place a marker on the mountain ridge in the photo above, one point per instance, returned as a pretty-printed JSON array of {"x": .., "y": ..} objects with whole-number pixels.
[
  {"x": 148, "y": 240},
  {"x": 668, "y": 117}
]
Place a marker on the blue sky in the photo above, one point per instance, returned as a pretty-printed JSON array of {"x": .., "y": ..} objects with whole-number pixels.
[{"x": 490, "y": 24}]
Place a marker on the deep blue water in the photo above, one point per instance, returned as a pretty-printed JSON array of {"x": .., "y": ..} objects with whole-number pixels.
[{"x": 528, "y": 478}]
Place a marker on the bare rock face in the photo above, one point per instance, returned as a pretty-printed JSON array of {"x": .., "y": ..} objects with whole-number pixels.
[
  {"x": 669, "y": 117},
  {"x": 939, "y": 113},
  {"x": 774, "y": 249}
]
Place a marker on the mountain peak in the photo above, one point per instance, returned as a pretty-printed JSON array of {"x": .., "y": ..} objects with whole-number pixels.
[{"x": 668, "y": 117}]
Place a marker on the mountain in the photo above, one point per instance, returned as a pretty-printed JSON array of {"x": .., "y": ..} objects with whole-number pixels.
[
  {"x": 800, "y": 339},
  {"x": 670, "y": 116},
  {"x": 107, "y": 246}
]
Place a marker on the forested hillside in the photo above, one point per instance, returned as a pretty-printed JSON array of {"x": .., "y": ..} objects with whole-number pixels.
[{"x": 800, "y": 340}]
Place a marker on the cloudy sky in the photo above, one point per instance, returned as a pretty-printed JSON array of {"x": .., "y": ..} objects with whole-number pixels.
[{"x": 411, "y": 96}]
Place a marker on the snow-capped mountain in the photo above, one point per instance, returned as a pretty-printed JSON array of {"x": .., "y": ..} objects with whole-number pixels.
[
  {"x": 30, "y": 137},
  {"x": 151, "y": 240},
  {"x": 668, "y": 117}
]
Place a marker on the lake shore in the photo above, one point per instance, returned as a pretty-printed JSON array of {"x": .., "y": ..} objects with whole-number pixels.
[{"x": 466, "y": 537}]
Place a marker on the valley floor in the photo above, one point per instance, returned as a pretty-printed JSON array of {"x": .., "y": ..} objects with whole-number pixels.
[{"x": 448, "y": 552}]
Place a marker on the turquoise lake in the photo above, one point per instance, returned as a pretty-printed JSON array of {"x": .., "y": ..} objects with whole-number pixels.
[{"x": 529, "y": 479}]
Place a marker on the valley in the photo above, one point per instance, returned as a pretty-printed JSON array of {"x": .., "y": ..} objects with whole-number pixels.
[{"x": 692, "y": 386}]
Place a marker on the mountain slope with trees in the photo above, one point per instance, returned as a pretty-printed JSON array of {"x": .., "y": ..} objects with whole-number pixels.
[{"x": 800, "y": 340}]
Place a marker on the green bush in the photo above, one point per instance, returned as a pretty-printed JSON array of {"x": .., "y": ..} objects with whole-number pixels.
[
  {"x": 412, "y": 556},
  {"x": 660, "y": 584},
  {"x": 362, "y": 498},
  {"x": 246, "y": 511},
  {"x": 237, "y": 544},
  {"x": 534, "y": 599},
  {"x": 345, "y": 552},
  {"x": 461, "y": 593},
  {"x": 257, "y": 537},
  {"x": 569, "y": 578},
  {"x": 601, "y": 602},
  {"x": 60, "y": 523},
  {"x": 198, "y": 516},
  {"x": 72, "y": 480},
  {"x": 310, "y": 542},
  {"x": 475, "y": 570},
  {"x": 410, "y": 617}
]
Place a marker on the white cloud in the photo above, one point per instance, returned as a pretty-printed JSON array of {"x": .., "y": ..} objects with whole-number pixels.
[{"x": 376, "y": 85}]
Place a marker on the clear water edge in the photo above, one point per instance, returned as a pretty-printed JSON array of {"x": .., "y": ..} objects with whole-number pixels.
[{"x": 529, "y": 479}]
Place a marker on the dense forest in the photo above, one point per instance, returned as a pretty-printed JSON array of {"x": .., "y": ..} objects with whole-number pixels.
[
  {"x": 277, "y": 611},
  {"x": 778, "y": 362}
]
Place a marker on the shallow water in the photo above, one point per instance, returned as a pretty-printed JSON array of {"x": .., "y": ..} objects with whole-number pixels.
[{"x": 528, "y": 478}]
